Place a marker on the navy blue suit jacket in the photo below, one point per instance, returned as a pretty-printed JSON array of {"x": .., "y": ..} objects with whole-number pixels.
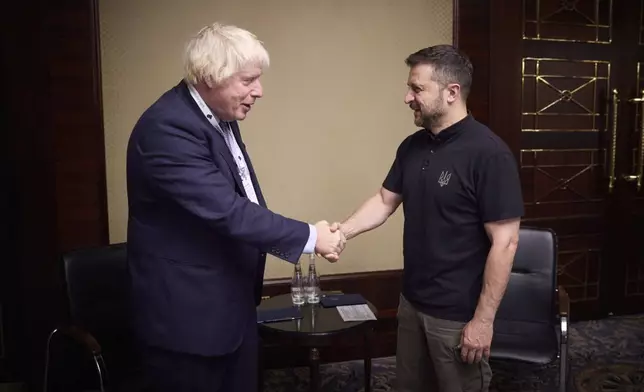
[{"x": 196, "y": 245}]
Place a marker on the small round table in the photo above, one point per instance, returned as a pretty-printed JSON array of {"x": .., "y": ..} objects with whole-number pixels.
[{"x": 318, "y": 327}]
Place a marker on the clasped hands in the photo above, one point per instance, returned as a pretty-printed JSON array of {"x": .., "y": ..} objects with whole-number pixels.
[{"x": 330, "y": 242}]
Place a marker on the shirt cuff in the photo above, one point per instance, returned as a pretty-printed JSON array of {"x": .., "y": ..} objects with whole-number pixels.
[{"x": 313, "y": 238}]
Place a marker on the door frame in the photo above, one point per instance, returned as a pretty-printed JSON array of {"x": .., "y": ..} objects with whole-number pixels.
[{"x": 487, "y": 38}]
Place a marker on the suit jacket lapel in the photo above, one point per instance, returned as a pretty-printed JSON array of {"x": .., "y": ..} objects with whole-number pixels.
[
  {"x": 220, "y": 142},
  {"x": 251, "y": 170}
]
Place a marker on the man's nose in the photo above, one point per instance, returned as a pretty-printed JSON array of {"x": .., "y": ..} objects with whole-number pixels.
[
  {"x": 258, "y": 90},
  {"x": 408, "y": 98}
]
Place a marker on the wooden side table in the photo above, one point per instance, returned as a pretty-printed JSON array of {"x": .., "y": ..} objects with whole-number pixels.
[{"x": 318, "y": 327}]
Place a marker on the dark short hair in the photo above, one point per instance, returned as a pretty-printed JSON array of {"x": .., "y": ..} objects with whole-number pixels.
[{"x": 450, "y": 65}]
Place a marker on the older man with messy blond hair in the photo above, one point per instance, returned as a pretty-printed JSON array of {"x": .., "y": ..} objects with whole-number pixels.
[{"x": 198, "y": 228}]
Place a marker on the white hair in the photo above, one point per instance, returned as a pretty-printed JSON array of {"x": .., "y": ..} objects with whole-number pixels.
[{"x": 218, "y": 51}]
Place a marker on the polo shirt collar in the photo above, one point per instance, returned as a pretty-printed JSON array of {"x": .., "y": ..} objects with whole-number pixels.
[{"x": 450, "y": 131}]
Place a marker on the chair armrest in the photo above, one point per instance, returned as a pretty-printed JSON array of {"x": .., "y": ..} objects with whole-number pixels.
[
  {"x": 564, "y": 302},
  {"x": 82, "y": 337}
]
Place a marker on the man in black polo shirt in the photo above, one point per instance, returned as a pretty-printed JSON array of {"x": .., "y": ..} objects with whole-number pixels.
[{"x": 459, "y": 186}]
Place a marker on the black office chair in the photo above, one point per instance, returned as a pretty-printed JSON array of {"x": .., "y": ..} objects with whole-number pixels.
[
  {"x": 531, "y": 325},
  {"x": 97, "y": 282}
]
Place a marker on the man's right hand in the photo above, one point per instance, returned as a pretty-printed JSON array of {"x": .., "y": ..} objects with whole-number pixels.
[{"x": 329, "y": 244}]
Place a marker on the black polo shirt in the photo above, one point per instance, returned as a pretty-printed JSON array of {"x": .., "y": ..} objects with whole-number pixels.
[{"x": 451, "y": 184}]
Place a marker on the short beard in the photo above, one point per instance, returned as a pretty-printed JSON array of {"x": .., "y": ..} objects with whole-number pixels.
[{"x": 434, "y": 119}]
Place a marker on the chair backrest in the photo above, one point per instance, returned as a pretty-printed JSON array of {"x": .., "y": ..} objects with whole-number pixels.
[
  {"x": 97, "y": 282},
  {"x": 525, "y": 324},
  {"x": 531, "y": 292}
]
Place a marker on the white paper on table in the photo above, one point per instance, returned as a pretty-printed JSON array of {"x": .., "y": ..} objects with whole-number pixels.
[{"x": 356, "y": 313}]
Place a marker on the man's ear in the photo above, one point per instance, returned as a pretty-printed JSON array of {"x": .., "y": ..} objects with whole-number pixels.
[{"x": 453, "y": 92}]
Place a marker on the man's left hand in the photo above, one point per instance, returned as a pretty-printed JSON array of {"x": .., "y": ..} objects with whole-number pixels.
[{"x": 476, "y": 340}]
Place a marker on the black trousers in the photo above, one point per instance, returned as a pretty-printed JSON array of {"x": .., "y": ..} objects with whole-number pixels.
[{"x": 167, "y": 371}]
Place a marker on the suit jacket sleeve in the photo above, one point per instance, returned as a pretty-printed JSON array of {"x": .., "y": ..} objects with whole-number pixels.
[{"x": 178, "y": 162}]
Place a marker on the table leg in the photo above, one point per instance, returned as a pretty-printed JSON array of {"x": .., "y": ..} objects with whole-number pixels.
[
  {"x": 367, "y": 360},
  {"x": 314, "y": 357}
]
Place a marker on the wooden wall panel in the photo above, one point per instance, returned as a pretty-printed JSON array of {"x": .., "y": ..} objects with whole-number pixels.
[
  {"x": 77, "y": 125},
  {"x": 30, "y": 185},
  {"x": 55, "y": 167},
  {"x": 471, "y": 35}
]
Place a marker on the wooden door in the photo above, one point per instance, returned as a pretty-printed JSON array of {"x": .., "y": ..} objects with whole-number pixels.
[
  {"x": 626, "y": 284},
  {"x": 566, "y": 81}
]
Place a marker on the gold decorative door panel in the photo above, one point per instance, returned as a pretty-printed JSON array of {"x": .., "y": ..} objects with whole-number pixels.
[
  {"x": 568, "y": 20},
  {"x": 580, "y": 141},
  {"x": 636, "y": 137},
  {"x": 563, "y": 163}
]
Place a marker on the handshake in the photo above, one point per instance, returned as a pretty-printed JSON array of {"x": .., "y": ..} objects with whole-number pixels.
[{"x": 330, "y": 241}]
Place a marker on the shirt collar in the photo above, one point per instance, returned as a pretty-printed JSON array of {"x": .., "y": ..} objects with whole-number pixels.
[
  {"x": 451, "y": 131},
  {"x": 207, "y": 111}
]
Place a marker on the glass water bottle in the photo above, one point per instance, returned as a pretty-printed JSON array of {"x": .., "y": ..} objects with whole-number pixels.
[
  {"x": 312, "y": 288},
  {"x": 297, "y": 285}
]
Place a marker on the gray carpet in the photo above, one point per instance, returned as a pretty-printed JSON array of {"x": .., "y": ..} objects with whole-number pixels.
[{"x": 606, "y": 355}]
